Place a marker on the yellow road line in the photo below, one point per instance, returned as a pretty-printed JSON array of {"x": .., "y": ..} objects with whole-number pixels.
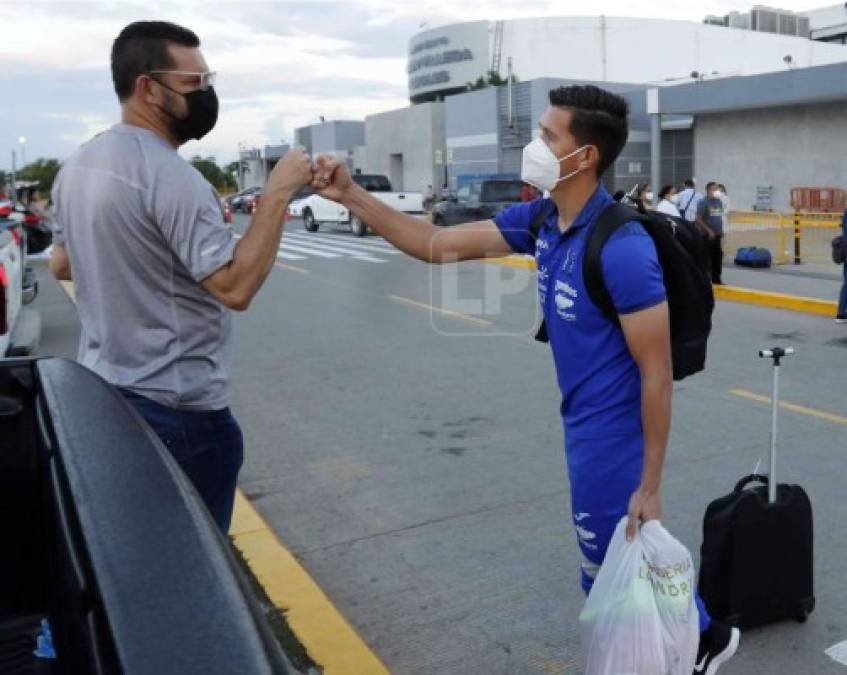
[
  {"x": 440, "y": 310},
  {"x": 292, "y": 268},
  {"x": 793, "y": 407},
  {"x": 794, "y": 303},
  {"x": 325, "y": 634}
]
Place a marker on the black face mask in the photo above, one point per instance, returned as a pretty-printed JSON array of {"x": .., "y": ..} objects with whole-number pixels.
[{"x": 202, "y": 114}]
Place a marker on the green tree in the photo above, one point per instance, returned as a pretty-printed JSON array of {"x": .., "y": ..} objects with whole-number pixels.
[
  {"x": 42, "y": 170},
  {"x": 491, "y": 79},
  {"x": 220, "y": 179}
]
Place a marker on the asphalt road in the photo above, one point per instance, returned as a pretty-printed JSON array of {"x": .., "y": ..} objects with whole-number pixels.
[{"x": 413, "y": 460}]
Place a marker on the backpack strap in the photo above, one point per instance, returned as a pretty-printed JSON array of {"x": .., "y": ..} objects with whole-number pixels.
[
  {"x": 607, "y": 224},
  {"x": 685, "y": 210},
  {"x": 547, "y": 208}
]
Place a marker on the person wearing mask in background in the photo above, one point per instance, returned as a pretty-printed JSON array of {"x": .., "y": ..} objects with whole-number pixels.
[
  {"x": 667, "y": 201},
  {"x": 155, "y": 268},
  {"x": 710, "y": 223},
  {"x": 615, "y": 376},
  {"x": 529, "y": 193},
  {"x": 841, "y": 316},
  {"x": 724, "y": 197},
  {"x": 689, "y": 199}
]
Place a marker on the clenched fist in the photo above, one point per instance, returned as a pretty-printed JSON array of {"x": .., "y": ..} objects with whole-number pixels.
[
  {"x": 292, "y": 173},
  {"x": 331, "y": 178}
]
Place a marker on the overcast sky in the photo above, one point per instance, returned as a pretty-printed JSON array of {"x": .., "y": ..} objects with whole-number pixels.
[{"x": 280, "y": 64}]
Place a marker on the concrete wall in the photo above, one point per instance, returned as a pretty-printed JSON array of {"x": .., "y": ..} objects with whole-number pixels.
[
  {"x": 472, "y": 137},
  {"x": 802, "y": 146},
  {"x": 401, "y": 144}
]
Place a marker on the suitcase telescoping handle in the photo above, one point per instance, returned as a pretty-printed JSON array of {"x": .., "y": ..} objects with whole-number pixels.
[{"x": 776, "y": 354}]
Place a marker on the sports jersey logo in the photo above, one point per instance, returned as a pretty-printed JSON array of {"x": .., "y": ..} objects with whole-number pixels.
[{"x": 566, "y": 297}]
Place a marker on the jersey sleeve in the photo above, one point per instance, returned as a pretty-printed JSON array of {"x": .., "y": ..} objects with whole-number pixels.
[
  {"x": 514, "y": 224},
  {"x": 631, "y": 270}
]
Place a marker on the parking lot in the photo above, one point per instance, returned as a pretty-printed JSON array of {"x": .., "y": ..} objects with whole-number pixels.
[{"x": 410, "y": 455}]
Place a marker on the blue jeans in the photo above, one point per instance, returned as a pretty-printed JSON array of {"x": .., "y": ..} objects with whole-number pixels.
[
  {"x": 604, "y": 473},
  {"x": 207, "y": 444}
]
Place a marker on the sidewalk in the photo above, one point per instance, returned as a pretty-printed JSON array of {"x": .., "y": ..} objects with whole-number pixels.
[{"x": 822, "y": 282}]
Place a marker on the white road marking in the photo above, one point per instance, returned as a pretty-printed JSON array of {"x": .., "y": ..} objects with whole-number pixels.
[
  {"x": 282, "y": 255},
  {"x": 838, "y": 653},
  {"x": 363, "y": 245},
  {"x": 308, "y": 251}
]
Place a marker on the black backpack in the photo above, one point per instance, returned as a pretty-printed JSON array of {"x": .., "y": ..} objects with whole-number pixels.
[{"x": 689, "y": 291}]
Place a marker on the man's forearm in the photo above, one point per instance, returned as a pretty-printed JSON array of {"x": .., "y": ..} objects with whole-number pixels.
[
  {"x": 656, "y": 393},
  {"x": 256, "y": 252},
  {"x": 411, "y": 235}
]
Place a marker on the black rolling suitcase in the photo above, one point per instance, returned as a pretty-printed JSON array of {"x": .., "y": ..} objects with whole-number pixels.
[{"x": 756, "y": 558}]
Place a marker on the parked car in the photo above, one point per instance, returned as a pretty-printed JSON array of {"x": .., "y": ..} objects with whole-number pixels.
[
  {"x": 317, "y": 211},
  {"x": 238, "y": 200},
  {"x": 297, "y": 204},
  {"x": 477, "y": 200},
  {"x": 20, "y": 329},
  {"x": 251, "y": 203},
  {"x": 107, "y": 544}
]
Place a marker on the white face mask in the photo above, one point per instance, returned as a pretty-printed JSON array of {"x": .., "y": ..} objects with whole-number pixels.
[
  {"x": 649, "y": 196},
  {"x": 674, "y": 199},
  {"x": 541, "y": 168}
]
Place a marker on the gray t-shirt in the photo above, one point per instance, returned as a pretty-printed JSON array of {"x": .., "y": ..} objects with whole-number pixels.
[
  {"x": 143, "y": 228},
  {"x": 711, "y": 211}
]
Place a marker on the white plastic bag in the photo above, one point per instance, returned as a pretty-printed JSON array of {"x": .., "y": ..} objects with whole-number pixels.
[{"x": 640, "y": 617}]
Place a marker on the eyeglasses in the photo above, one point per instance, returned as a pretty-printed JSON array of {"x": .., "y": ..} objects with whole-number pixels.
[{"x": 201, "y": 80}]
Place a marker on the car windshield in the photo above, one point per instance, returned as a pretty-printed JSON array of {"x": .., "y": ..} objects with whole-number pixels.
[
  {"x": 502, "y": 191},
  {"x": 373, "y": 183},
  {"x": 464, "y": 194}
]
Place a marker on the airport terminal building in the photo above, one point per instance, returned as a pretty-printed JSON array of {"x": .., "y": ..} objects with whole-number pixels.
[{"x": 756, "y": 100}]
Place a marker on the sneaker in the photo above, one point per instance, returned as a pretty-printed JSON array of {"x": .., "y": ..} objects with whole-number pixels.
[
  {"x": 841, "y": 318},
  {"x": 717, "y": 646}
]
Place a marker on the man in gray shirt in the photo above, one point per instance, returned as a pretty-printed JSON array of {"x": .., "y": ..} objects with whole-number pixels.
[
  {"x": 156, "y": 270},
  {"x": 710, "y": 223}
]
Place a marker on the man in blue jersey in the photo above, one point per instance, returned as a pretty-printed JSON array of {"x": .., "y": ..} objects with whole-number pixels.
[{"x": 615, "y": 380}]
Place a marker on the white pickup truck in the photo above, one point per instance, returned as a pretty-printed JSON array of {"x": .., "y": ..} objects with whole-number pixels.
[
  {"x": 316, "y": 211},
  {"x": 20, "y": 329}
]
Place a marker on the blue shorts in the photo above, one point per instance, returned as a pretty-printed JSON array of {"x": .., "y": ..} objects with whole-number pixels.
[{"x": 604, "y": 472}]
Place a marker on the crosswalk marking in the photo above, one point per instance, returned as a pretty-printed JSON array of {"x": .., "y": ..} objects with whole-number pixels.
[
  {"x": 302, "y": 246},
  {"x": 335, "y": 248},
  {"x": 282, "y": 255},
  {"x": 310, "y": 251},
  {"x": 374, "y": 247}
]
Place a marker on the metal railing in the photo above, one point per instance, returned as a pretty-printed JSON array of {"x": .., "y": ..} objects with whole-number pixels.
[{"x": 794, "y": 237}]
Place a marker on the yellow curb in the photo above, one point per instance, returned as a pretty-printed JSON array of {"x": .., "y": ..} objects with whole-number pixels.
[
  {"x": 325, "y": 634},
  {"x": 749, "y": 296},
  {"x": 793, "y": 303},
  {"x": 524, "y": 262}
]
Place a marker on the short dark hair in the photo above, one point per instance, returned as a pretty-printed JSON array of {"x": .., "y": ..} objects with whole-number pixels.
[
  {"x": 143, "y": 46},
  {"x": 710, "y": 185},
  {"x": 598, "y": 118},
  {"x": 689, "y": 183},
  {"x": 665, "y": 191}
]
